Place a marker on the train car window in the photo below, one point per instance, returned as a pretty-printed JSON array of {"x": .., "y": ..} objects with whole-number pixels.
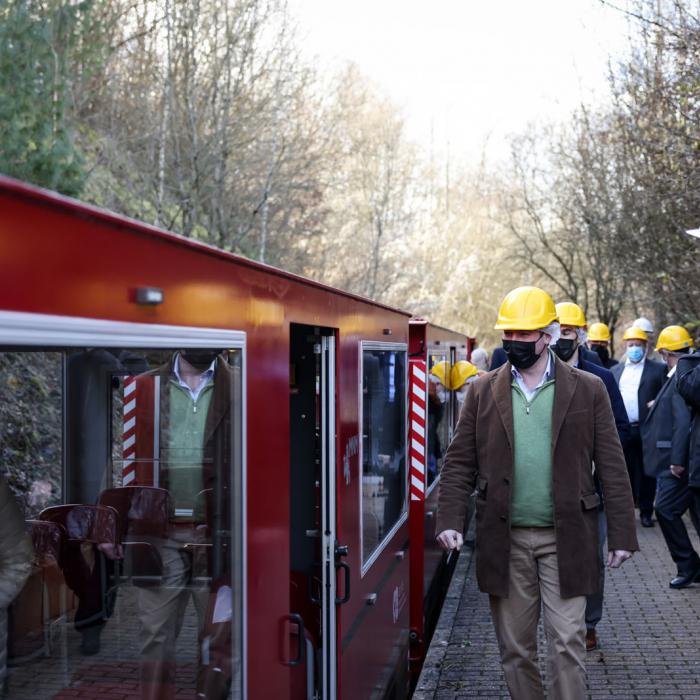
[
  {"x": 438, "y": 414},
  {"x": 122, "y": 529},
  {"x": 383, "y": 445}
]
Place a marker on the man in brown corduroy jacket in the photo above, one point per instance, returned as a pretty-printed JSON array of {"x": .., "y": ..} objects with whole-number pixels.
[{"x": 527, "y": 438}]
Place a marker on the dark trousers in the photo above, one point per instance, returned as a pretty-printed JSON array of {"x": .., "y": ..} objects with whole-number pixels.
[
  {"x": 89, "y": 583},
  {"x": 643, "y": 486},
  {"x": 673, "y": 499}
]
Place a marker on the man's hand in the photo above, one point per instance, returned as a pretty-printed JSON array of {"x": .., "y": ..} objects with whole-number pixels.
[
  {"x": 677, "y": 470},
  {"x": 617, "y": 557},
  {"x": 111, "y": 551},
  {"x": 449, "y": 540}
]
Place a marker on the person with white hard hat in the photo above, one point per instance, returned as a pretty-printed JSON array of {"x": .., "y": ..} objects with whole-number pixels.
[{"x": 640, "y": 380}]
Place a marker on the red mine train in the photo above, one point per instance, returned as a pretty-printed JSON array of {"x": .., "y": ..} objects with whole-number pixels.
[{"x": 228, "y": 472}]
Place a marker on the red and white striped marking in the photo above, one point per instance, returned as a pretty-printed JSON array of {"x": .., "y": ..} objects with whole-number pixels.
[
  {"x": 129, "y": 432},
  {"x": 418, "y": 421}
]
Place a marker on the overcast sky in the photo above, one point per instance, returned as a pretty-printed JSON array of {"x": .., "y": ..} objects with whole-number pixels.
[{"x": 470, "y": 70}]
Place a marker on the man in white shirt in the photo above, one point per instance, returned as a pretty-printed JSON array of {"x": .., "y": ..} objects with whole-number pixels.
[{"x": 640, "y": 380}]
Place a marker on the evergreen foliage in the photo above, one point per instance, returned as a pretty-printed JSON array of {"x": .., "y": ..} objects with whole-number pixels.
[{"x": 36, "y": 143}]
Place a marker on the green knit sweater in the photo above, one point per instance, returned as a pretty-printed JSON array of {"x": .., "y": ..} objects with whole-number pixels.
[
  {"x": 532, "y": 504},
  {"x": 185, "y": 444}
]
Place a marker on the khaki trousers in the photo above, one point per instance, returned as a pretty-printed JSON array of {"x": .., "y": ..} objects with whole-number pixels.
[
  {"x": 162, "y": 612},
  {"x": 534, "y": 581}
]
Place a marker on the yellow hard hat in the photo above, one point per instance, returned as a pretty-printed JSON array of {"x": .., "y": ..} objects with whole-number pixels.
[
  {"x": 599, "y": 332},
  {"x": 634, "y": 333},
  {"x": 570, "y": 314},
  {"x": 526, "y": 309},
  {"x": 461, "y": 371},
  {"x": 439, "y": 370},
  {"x": 674, "y": 338}
]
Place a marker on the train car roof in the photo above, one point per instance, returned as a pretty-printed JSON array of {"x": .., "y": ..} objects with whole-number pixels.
[
  {"x": 427, "y": 322},
  {"x": 48, "y": 198}
]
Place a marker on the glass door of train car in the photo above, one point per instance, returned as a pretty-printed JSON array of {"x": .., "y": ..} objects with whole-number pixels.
[
  {"x": 123, "y": 458},
  {"x": 316, "y": 557}
]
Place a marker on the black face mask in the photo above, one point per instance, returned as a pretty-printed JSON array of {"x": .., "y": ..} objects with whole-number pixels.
[
  {"x": 521, "y": 353},
  {"x": 602, "y": 353},
  {"x": 200, "y": 359},
  {"x": 565, "y": 348}
]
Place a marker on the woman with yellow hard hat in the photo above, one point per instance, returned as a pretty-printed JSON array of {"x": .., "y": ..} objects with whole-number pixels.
[{"x": 462, "y": 374}]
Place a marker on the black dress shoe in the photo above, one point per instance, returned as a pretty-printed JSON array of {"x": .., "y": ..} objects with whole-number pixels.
[
  {"x": 684, "y": 580},
  {"x": 646, "y": 521}
]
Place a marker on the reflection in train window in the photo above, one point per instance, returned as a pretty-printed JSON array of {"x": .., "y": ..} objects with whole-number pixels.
[
  {"x": 383, "y": 444},
  {"x": 140, "y": 577},
  {"x": 438, "y": 414}
]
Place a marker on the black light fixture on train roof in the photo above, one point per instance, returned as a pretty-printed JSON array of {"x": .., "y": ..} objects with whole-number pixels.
[{"x": 149, "y": 296}]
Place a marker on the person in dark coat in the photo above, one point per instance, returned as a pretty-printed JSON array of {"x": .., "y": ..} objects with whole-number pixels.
[
  {"x": 665, "y": 438},
  {"x": 498, "y": 358},
  {"x": 688, "y": 384},
  {"x": 599, "y": 342},
  {"x": 570, "y": 348},
  {"x": 640, "y": 380}
]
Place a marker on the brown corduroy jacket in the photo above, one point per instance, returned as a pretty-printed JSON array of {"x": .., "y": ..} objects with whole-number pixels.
[{"x": 583, "y": 434}]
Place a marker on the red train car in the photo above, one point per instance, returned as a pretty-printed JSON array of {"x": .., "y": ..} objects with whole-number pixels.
[
  {"x": 433, "y": 414},
  {"x": 212, "y": 458}
]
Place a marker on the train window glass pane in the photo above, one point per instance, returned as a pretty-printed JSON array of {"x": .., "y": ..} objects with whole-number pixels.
[
  {"x": 383, "y": 444},
  {"x": 31, "y": 414},
  {"x": 135, "y": 585},
  {"x": 438, "y": 414}
]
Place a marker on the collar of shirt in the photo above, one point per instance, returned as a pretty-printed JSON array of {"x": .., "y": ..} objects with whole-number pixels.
[
  {"x": 635, "y": 365},
  {"x": 548, "y": 374},
  {"x": 204, "y": 378}
]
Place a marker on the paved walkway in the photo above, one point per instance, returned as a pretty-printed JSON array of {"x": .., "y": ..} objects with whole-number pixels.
[{"x": 648, "y": 637}]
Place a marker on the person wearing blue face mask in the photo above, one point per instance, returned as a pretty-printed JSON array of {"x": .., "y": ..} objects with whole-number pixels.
[{"x": 640, "y": 380}]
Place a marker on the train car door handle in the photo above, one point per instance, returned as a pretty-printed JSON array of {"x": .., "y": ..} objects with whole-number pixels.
[
  {"x": 371, "y": 599},
  {"x": 301, "y": 640},
  {"x": 346, "y": 583}
]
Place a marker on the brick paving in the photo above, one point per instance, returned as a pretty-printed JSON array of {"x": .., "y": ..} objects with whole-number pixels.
[
  {"x": 113, "y": 673},
  {"x": 648, "y": 637}
]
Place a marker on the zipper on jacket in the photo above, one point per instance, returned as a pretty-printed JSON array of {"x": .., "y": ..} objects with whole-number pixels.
[{"x": 515, "y": 386}]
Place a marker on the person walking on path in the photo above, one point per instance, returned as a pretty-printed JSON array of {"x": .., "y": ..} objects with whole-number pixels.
[
  {"x": 572, "y": 322},
  {"x": 640, "y": 380},
  {"x": 527, "y": 438},
  {"x": 665, "y": 440},
  {"x": 599, "y": 342}
]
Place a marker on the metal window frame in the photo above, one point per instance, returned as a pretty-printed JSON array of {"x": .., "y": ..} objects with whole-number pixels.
[
  {"x": 442, "y": 351},
  {"x": 329, "y": 496},
  {"x": 403, "y": 516},
  {"x": 54, "y": 331}
]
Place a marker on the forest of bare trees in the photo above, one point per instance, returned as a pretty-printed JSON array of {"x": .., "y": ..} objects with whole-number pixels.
[{"x": 202, "y": 116}]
